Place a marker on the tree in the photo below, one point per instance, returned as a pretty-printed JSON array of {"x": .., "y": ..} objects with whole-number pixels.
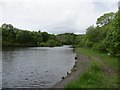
[
  {"x": 51, "y": 43},
  {"x": 105, "y": 19},
  {"x": 8, "y": 32},
  {"x": 45, "y": 36},
  {"x": 92, "y": 34},
  {"x": 37, "y": 37},
  {"x": 24, "y": 36},
  {"x": 112, "y": 40}
]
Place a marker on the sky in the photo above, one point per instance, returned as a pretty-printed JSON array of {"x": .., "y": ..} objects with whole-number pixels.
[{"x": 54, "y": 16}]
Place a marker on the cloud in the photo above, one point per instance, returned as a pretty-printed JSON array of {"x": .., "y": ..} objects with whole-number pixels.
[
  {"x": 54, "y": 16},
  {"x": 105, "y": 6}
]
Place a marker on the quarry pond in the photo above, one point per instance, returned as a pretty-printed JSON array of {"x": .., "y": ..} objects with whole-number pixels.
[{"x": 35, "y": 67}]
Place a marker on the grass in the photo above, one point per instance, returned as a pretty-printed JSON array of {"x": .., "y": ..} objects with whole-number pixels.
[
  {"x": 103, "y": 72},
  {"x": 91, "y": 79},
  {"x": 109, "y": 60}
]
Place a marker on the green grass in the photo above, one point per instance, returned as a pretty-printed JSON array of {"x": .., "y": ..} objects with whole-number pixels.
[
  {"x": 109, "y": 60},
  {"x": 91, "y": 79},
  {"x": 95, "y": 77}
]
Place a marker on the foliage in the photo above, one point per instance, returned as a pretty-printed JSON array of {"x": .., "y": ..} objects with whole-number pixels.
[
  {"x": 45, "y": 36},
  {"x": 23, "y": 36},
  {"x": 105, "y": 19},
  {"x": 105, "y": 37},
  {"x": 17, "y": 37},
  {"x": 67, "y": 38},
  {"x": 112, "y": 40},
  {"x": 97, "y": 75},
  {"x": 109, "y": 60},
  {"x": 91, "y": 79}
]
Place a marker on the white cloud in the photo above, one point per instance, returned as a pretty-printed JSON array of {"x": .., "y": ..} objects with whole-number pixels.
[{"x": 54, "y": 16}]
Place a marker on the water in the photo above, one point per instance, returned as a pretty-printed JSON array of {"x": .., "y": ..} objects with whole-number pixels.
[{"x": 35, "y": 67}]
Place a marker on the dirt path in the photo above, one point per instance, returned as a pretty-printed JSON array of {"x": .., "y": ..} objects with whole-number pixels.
[
  {"x": 82, "y": 64},
  {"x": 80, "y": 67},
  {"x": 105, "y": 68}
]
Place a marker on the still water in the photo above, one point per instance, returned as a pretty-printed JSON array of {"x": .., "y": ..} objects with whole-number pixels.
[{"x": 35, "y": 67}]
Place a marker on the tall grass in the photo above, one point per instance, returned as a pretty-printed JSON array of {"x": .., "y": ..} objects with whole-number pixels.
[
  {"x": 91, "y": 79},
  {"x": 95, "y": 77},
  {"x": 109, "y": 60}
]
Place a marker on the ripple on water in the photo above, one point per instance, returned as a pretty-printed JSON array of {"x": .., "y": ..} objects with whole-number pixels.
[{"x": 35, "y": 66}]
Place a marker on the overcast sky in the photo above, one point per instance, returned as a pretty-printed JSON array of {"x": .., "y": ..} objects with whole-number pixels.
[{"x": 54, "y": 16}]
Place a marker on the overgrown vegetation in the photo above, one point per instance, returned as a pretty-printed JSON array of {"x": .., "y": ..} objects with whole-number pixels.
[
  {"x": 103, "y": 72},
  {"x": 101, "y": 44},
  {"x": 105, "y": 37}
]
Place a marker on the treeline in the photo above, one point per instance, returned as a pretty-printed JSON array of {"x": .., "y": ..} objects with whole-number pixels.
[
  {"x": 12, "y": 36},
  {"x": 105, "y": 36}
]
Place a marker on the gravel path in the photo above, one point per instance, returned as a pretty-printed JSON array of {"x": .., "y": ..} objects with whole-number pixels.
[{"x": 81, "y": 66}]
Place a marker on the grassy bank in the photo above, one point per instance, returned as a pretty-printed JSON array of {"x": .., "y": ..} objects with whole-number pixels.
[{"x": 102, "y": 73}]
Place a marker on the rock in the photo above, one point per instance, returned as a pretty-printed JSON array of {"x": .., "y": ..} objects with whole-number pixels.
[
  {"x": 75, "y": 57},
  {"x": 75, "y": 61},
  {"x": 63, "y": 77},
  {"x": 68, "y": 73},
  {"x": 74, "y": 66}
]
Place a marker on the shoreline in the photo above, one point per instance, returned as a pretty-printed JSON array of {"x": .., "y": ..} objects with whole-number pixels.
[{"x": 80, "y": 66}]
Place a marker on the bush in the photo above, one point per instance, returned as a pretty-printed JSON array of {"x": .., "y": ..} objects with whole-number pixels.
[{"x": 51, "y": 43}]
